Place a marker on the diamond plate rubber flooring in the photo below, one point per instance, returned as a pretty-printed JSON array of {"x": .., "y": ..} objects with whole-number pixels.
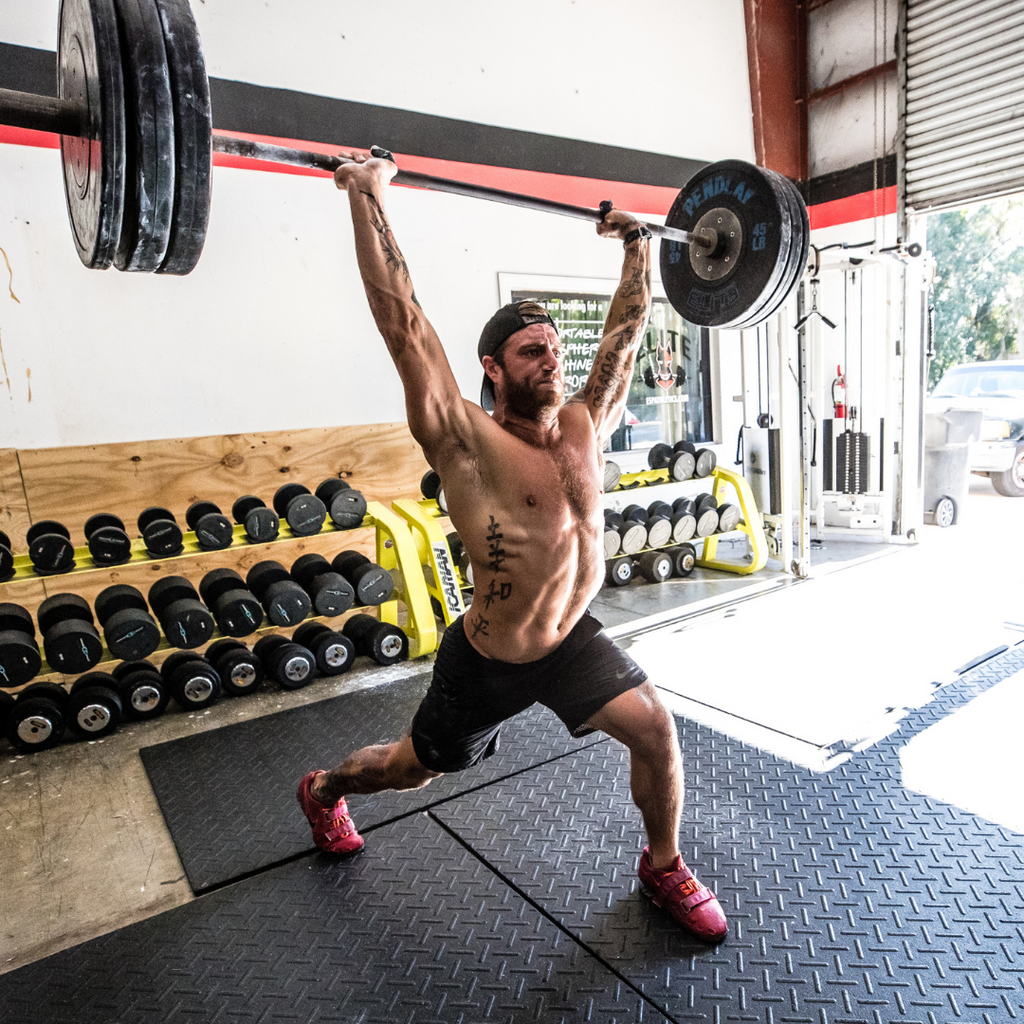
[
  {"x": 852, "y": 900},
  {"x": 248, "y": 772}
]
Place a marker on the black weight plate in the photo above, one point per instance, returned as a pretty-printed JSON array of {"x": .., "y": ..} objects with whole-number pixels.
[
  {"x": 20, "y": 660},
  {"x": 748, "y": 200},
  {"x": 788, "y": 255},
  {"x": 89, "y": 74},
  {"x": 149, "y": 118},
  {"x": 193, "y": 141}
]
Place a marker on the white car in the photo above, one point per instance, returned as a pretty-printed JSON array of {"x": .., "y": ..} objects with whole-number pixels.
[{"x": 997, "y": 389}]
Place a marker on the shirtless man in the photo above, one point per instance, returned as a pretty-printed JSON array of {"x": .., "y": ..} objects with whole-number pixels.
[{"x": 524, "y": 490}]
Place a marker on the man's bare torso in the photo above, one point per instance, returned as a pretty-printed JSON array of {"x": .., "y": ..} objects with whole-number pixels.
[{"x": 530, "y": 520}]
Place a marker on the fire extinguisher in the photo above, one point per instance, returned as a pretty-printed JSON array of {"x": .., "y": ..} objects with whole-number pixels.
[{"x": 840, "y": 402}]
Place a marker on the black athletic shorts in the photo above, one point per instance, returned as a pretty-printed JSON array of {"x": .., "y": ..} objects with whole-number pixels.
[{"x": 470, "y": 696}]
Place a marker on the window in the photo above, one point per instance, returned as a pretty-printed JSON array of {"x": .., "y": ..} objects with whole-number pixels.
[{"x": 670, "y": 391}]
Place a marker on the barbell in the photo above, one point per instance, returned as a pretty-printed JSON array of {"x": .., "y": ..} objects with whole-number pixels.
[{"x": 134, "y": 118}]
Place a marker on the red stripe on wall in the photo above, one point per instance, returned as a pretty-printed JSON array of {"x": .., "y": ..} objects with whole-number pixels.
[
  {"x": 648, "y": 200},
  {"x": 863, "y": 206}
]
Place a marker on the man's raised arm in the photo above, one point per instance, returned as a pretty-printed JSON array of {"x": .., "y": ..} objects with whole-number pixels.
[
  {"x": 434, "y": 405},
  {"x": 608, "y": 383}
]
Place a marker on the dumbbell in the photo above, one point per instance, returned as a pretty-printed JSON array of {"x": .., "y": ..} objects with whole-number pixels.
[
  {"x": 20, "y": 660},
  {"x": 186, "y": 621},
  {"x": 334, "y": 652},
  {"x": 240, "y": 671},
  {"x": 234, "y": 605},
  {"x": 372, "y": 584},
  {"x": 70, "y": 640},
  {"x": 94, "y": 708},
  {"x": 619, "y": 571},
  {"x": 684, "y": 519},
  {"x": 286, "y": 662},
  {"x": 345, "y": 505},
  {"x": 707, "y": 515},
  {"x": 659, "y": 455},
  {"x": 304, "y": 512},
  {"x": 632, "y": 532},
  {"x": 37, "y": 720},
  {"x": 683, "y": 461},
  {"x": 191, "y": 679},
  {"x": 705, "y": 461},
  {"x": 128, "y": 628},
  {"x": 141, "y": 689},
  {"x": 160, "y": 532},
  {"x": 6, "y": 557},
  {"x": 384, "y": 643},
  {"x": 49, "y": 547},
  {"x": 329, "y": 591},
  {"x": 728, "y": 518},
  {"x": 656, "y": 566},
  {"x": 261, "y": 524},
  {"x": 684, "y": 558},
  {"x": 284, "y": 601},
  {"x": 612, "y": 476},
  {"x": 612, "y": 540},
  {"x": 658, "y": 525},
  {"x": 108, "y": 542},
  {"x": 212, "y": 528}
]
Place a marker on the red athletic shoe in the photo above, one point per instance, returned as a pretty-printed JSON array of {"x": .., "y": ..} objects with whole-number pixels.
[
  {"x": 692, "y": 904},
  {"x": 333, "y": 829}
]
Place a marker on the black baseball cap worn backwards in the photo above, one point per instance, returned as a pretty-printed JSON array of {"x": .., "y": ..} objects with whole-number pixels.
[{"x": 510, "y": 318}]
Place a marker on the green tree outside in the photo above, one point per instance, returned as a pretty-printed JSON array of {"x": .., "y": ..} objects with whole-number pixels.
[{"x": 979, "y": 285}]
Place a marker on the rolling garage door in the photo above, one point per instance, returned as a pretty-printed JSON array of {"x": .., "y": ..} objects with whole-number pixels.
[{"x": 964, "y": 101}]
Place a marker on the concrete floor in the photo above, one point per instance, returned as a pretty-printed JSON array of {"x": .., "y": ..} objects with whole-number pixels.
[{"x": 85, "y": 849}]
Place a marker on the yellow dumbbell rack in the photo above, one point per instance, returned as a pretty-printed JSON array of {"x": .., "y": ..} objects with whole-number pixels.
[
  {"x": 750, "y": 523},
  {"x": 440, "y": 575},
  {"x": 396, "y": 552}
]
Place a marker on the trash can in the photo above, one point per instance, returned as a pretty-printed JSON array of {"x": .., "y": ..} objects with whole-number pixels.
[{"x": 947, "y": 454}]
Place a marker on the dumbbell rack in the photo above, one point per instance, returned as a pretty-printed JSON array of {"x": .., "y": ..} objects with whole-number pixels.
[
  {"x": 442, "y": 580},
  {"x": 750, "y": 523},
  {"x": 395, "y": 551}
]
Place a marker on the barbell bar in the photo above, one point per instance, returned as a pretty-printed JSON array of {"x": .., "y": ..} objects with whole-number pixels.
[{"x": 134, "y": 117}]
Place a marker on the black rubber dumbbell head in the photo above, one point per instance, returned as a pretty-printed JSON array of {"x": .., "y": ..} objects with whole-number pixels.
[
  {"x": 285, "y": 602},
  {"x": 728, "y": 517},
  {"x": 129, "y": 629},
  {"x": 612, "y": 541},
  {"x": 372, "y": 584},
  {"x": 186, "y": 621},
  {"x": 684, "y": 559},
  {"x": 684, "y": 526},
  {"x": 240, "y": 671},
  {"x": 384, "y": 643},
  {"x": 286, "y": 662},
  {"x": 304, "y": 512},
  {"x": 70, "y": 640},
  {"x": 212, "y": 528},
  {"x": 334, "y": 652},
  {"x": 261, "y": 524},
  {"x": 705, "y": 461},
  {"x": 659, "y": 455},
  {"x": 6, "y": 557},
  {"x": 235, "y": 607},
  {"x": 161, "y": 534},
  {"x": 15, "y": 618},
  {"x": 659, "y": 508},
  {"x": 345, "y": 505},
  {"x": 192, "y": 680},
  {"x": 655, "y": 566},
  {"x": 142, "y": 690},
  {"x": 329, "y": 591},
  {"x": 685, "y": 446},
  {"x": 49, "y": 547},
  {"x": 681, "y": 465},
  {"x": 619, "y": 571},
  {"x": 633, "y": 537},
  {"x": 37, "y": 720},
  {"x": 20, "y": 659},
  {"x": 94, "y": 707},
  {"x": 430, "y": 484},
  {"x": 108, "y": 542},
  {"x": 659, "y": 531},
  {"x": 707, "y": 521},
  {"x": 635, "y": 512}
]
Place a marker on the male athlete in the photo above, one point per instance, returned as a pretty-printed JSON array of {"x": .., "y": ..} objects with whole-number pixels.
[{"x": 524, "y": 490}]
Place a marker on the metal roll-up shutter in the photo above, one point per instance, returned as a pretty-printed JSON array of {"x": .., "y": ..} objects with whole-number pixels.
[{"x": 964, "y": 117}]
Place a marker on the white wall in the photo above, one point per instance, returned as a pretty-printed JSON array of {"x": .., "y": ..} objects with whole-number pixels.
[{"x": 271, "y": 331}]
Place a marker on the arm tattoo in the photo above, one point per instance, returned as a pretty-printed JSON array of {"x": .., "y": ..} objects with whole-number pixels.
[
  {"x": 480, "y": 625},
  {"x": 392, "y": 254},
  {"x": 632, "y": 313},
  {"x": 495, "y": 552}
]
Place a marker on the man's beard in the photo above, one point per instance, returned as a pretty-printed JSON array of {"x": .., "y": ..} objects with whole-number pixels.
[{"x": 527, "y": 400}]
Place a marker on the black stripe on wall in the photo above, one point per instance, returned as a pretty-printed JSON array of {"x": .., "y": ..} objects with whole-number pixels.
[
  {"x": 852, "y": 181},
  {"x": 259, "y": 110}
]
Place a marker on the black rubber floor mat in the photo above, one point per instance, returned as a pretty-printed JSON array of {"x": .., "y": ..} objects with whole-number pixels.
[
  {"x": 228, "y": 795},
  {"x": 850, "y": 898},
  {"x": 414, "y": 929}
]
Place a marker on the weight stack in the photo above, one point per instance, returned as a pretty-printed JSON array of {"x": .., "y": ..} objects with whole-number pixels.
[{"x": 853, "y": 459}]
